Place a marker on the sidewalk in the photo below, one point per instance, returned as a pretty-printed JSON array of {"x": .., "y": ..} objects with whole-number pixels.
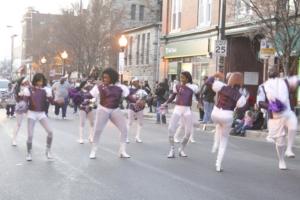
[{"x": 250, "y": 134}]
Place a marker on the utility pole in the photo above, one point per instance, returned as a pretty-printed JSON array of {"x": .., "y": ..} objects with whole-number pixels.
[{"x": 221, "y": 32}]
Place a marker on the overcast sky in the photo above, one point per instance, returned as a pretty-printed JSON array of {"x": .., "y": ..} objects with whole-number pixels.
[{"x": 11, "y": 12}]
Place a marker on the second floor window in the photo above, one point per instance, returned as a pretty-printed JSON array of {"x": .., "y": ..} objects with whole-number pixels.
[
  {"x": 133, "y": 11},
  {"x": 142, "y": 10},
  {"x": 176, "y": 14},
  {"x": 242, "y": 8},
  {"x": 204, "y": 12}
]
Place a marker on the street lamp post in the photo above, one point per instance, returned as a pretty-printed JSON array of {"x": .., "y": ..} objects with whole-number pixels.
[
  {"x": 123, "y": 44},
  {"x": 12, "y": 55},
  {"x": 64, "y": 56},
  {"x": 43, "y": 61}
]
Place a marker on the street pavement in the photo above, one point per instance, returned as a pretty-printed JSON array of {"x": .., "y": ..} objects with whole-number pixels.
[{"x": 250, "y": 167}]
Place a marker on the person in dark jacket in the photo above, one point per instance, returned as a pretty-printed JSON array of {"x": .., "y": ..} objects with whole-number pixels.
[
  {"x": 160, "y": 93},
  {"x": 207, "y": 96}
]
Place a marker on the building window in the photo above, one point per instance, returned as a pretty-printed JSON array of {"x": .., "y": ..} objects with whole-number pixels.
[
  {"x": 142, "y": 10},
  {"x": 176, "y": 14},
  {"x": 243, "y": 8},
  {"x": 138, "y": 50},
  {"x": 130, "y": 50},
  {"x": 204, "y": 12},
  {"x": 143, "y": 48},
  {"x": 148, "y": 48},
  {"x": 133, "y": 11}
]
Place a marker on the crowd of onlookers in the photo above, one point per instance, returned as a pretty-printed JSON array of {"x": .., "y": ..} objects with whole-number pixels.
[{"x": 248, "y": 117}]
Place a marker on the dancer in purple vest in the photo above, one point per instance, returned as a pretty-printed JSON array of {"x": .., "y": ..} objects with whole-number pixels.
[
  {"x": 37, "y": 97},
  {"x": 229, "y": 98},
  {"x": 21, "y": 106},
  {"x": 184, "y": 92},
  {"x": 136, "y": 108},
  {"x": 80, "y": 96},
  {"x": 110, "y": 93},
  {"x": 282, "y": 121}
]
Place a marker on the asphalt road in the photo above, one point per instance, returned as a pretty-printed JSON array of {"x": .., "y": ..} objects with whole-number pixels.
[{"x": 250, "y": 168}]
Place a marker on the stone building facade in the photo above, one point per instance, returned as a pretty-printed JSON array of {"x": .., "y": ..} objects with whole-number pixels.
[{"x": 142, "y": 53}]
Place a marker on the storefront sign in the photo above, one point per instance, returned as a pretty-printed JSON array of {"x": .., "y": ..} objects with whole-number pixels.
[
  {"x": 173, "y": 68},
  {"x": 186, "y": 48}
]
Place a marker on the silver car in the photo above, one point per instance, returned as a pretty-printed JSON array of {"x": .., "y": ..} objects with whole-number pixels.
[{"x": 3, "y": 92}]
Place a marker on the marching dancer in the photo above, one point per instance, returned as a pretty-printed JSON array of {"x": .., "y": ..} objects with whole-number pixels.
[
  {"x": 21, "y": 106},
  {"x": 136, "y": 108},
  {"x": 110, "y": 93},
  {"x": 87, "y": 106},
  {"x": 181, "y": 127},
  {"x": 282, "y": 120},
  {"x": 229, "y": 98},
  {"x": 184, "y": 92},
  {"x": 37, "y": 97}
]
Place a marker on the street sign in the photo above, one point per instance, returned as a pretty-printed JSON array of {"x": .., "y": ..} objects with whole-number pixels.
[
  {"x": 221, "y": 47},
  {"x": 266, "y": 49}
]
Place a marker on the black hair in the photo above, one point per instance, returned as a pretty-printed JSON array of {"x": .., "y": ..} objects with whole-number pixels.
[
  {"x": 18, "y": 85},
  {"x": 112, "y": 73},
  {"x": 188, "y": 76},
  {"x": 39, "y": 77},
  {"x": 82, "y": 84}
]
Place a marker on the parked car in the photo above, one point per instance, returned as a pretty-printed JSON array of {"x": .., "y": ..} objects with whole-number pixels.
[{"x": 3, "y": 92}]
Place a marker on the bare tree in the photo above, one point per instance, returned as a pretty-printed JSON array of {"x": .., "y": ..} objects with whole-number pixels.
[
  {"x": 279, "y": 22},
  {"x": 89, "y": 35}
]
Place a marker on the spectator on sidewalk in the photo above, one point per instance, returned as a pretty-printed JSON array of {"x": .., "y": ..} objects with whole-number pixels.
[
  {"x": 149, "y": 99},
  {"x": 207, "y": 96},
  {"x": 61, "y": 93},
  {"x": 11, "y": 101},
  {"x": 242, "y": 125},
  {"x": 160, "y": 93}
]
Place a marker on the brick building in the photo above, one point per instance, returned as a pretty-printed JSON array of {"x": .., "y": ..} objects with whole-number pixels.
[{"x": 189, "y": 32}]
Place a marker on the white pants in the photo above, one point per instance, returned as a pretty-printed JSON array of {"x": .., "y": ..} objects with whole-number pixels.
[
  {"x": 83, "y": 116},
  {"x": 185, "y": 113},
  {"x": 115, "y": 116},
  {"x": 284, "y": 125},
  {"x": 223, "y": 120}
]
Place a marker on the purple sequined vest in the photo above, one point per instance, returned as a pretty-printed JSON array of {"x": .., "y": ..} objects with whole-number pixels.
[
  {"x": 37, "y": 100},
  {"x": 184, "y": 95},
  {"x": 227, "y": 98},
  {"x": 110, "y": 96}
]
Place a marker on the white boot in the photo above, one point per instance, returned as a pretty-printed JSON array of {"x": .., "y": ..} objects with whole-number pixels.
[
  {"x": 290, "y": 142},
  {"x": 49, "y": 154},
  {"x": 93, "y": 151},
  {"x": 80, "y": 140},
  {"x": 14, "y": 139},
  {"x": 192, "y": 140},
  {"x": 221, "y": 152},
  {"x": 171, "y": 153},
  {"x": 91, "y": 136},
  {"x": 216, "y": 143},
  {"x": 181, "y": 149},
  {"x": 138, "y": 134},
  {"x": 280, "y": 153},
  {"x": 122, "y": 151},
  {"x": 29, "y": 156}
]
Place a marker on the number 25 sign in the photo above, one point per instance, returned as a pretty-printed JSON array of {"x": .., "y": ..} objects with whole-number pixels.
[{"x": 221, "y": 47}]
